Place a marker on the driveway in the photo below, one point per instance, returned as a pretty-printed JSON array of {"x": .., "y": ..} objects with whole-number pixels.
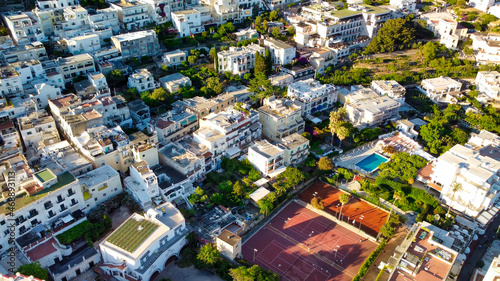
[{"x": 175, "y": 273}]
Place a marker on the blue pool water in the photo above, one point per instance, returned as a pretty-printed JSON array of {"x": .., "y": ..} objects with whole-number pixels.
[{"x": 371, "y": 163}]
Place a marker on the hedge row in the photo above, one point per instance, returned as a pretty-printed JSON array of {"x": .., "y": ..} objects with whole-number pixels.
[{"x": 368, "y": 262}]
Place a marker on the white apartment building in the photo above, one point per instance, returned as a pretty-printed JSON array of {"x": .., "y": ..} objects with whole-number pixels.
[
  {"x": 486, "y": 47},
  {"x": 48, "y": 198},
  {"x": 475, "y": 166},
  {"x": 83, "y": 44},
  {"x": 281, "y": 80},
  {"x": 28, "y": 71},
  {"x": 33, "y": 51},
  {"x": 281, "y": 53},
  {"x": 389, "y": 88},
  {"x": 183, "y": 161},
  {"x": 267, "y": 158},
  {"x": 74, "y": 22},
  {"x": 174, "y": 58},
  {"x": 366, "y": 108},
  {"x": 142, "y": 184},
  {"x": 312, "y": 96},
  {"x": 481, "y": 5},
  {"x": 174, "y": 125},
  {"x": 24, "y": 27},
  {"x": 140, "y": 114},
  {"x": 488, "y": 82},
  {"x": 142, "y": 80},
  {"x": 446, "y": 28},
  {"x": 295, "y": 148},
  {"x": 187, "y": 22},
  {"x": 12, "y": 142},
  {"x": 132, "y": 14},
  {"x": 10, "y": 81},
  {"x": 238, "y": 60},
  {"x": 74, "y": 66},
  {"x": 440, "y": 88},
  {"x": 137, "y": 44},
  {"x": 174, "y": 82},
  {"x": 280, "y": 118},
  {"x": 159, "y": 10},
  {"x": 104, "y": 18},
  {"x": 55, "y": 4},
  {"x": 343, "y": 30},
  {"x": 226, "y": 133},
  {"x": 35, "y": 128},
  {"x": 142, "y": 245},
  {"x": 100, "y": 185},
  {"x": 408, "y": 6}
]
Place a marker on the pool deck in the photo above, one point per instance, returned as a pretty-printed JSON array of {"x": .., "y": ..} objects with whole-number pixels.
[{"x": 349, "y": 159}]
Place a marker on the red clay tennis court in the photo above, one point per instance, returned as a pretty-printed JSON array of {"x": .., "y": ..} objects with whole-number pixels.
[
  {"x": 353, "y": 211},
  {"x": 299, "y": 244}
]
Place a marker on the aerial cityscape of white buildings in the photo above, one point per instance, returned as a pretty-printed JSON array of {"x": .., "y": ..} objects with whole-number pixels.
[{"x": 72, "y": 143}]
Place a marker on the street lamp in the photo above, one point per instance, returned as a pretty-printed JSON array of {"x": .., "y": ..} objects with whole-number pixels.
[
  {"x": 360, "y": 220},
  {"x": 310, "y": 242},
  {"x": 254, "y": 251}
]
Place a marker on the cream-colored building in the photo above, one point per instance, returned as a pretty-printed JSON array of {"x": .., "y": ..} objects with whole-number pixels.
[
  {"x": 296, "y": 149},
  {"x": 74, "y": 66},
  {"x": 267, "y": 158},
  {"x": 229, "y": 244},
  {"x": 280, "y": 118}
]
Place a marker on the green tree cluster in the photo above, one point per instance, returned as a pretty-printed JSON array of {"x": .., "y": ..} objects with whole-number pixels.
[
  {"x": 317, "y": 203},
  {"x": 395, "y": 34},
  {"x": 34, "y": 269},
  {"x": 325, "y": 164},
  {"x": 254, "y": 272},
  {"x": 90, "y": 231},
  {"x": 440, "y": 134},
  {"x": 402, "y": 167}
]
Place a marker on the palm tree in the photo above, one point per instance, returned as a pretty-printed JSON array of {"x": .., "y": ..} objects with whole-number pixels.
[
  {"x": 344, "y": 198},
  {"x": 455, "y": 187},
  {"x": 397, "y": 196},
  {"x": 336, "y": 117},
  {"x": 342, "y": 132}
]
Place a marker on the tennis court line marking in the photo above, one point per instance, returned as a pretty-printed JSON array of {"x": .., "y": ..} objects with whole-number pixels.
[{"x": 338, "y": 267}]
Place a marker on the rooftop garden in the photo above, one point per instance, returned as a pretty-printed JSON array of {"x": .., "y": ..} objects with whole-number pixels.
[{"x": 131, "y": 234}]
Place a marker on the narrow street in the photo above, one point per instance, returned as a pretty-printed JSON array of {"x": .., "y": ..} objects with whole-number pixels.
[{"x": 478, "y": 252}]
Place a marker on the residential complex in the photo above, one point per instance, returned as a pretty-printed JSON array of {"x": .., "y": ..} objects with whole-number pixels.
[
  {"x": 475, "y": 167},
  {"x": 488, "y": 83},
  {"x": 280, "y": 118},
  {"x": 238, "y": 60},
  {"x": 312, "y": 96},
  {"x": 441, "y": 88}
]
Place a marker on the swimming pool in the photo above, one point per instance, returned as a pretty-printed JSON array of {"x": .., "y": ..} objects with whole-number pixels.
[{"x": 371, "y": 163}]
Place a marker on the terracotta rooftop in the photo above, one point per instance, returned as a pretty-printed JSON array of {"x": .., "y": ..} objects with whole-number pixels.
[
  {"x": 426, "y": 172},
  {"x": 43, "y": 250}
]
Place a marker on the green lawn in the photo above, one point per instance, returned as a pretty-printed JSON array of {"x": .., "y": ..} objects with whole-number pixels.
[
  {"x": 129, "y": 237},
  {"x": 45, "y": 175}
]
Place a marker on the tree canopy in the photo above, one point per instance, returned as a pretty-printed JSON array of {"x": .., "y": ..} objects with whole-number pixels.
[
  {"x": 208, "y": 254},
  {"x": 34, "y": 269},
  {"x": 244, "y": 273},
  {"x": 395, "y": 34},
  {"x": 402, "y": 166},
  {"x": 325, "y": 164}
]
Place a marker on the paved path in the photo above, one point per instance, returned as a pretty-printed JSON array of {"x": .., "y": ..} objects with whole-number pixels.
[{"x": 478, "y": 252}]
